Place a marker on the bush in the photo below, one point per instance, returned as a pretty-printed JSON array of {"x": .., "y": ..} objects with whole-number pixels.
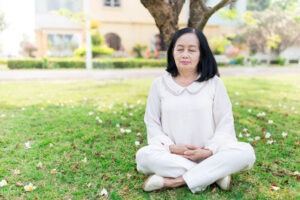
[
  {"x": 281, "y": 61},
  {"x": 25, "y": 64},
  {"x": 65, "y": 63},
  {"x": 128, "y": 63},
  {"x": 254, "y": 61},
  {"x": 138, "y": 49},
  {"x": 96, "y": 51},
  {"x": 97, "y": 39},
  {"x": 79, "y": 63},
  {"x": 151, "y": 62},
  {"x": 239, "y": 60},
  {"x": 102, "y": 50},
  {"x": 57, "y": 63},
  {"x": 218, "y": 44}
]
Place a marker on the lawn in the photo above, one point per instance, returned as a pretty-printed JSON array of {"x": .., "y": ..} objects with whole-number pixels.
[{"x": 73, "y": 139}]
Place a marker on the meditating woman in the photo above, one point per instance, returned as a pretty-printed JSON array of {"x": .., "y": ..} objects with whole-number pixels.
[{"x": 190, "y": 126}]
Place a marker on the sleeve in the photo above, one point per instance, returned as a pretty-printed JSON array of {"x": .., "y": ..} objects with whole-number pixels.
[
  {"x": 155, "y": 134},
  {"x": 223, "y": 119}
]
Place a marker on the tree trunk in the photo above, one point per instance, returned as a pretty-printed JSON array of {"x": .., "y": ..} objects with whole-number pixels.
[
  {"x": 165, "y": 14},
  {"x": 200, "y": 13}
]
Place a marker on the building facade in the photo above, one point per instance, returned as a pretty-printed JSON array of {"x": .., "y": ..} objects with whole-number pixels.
[{"x": 123, "y": 23}]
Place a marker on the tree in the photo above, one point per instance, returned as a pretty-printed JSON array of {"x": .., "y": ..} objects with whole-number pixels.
[
  {"x": 258, "y": 5},
  {"x": 166, "y": 12},
  {"x": 284, "y": 4},
  {"x": 200, "y": 12},
  {"x": 272, "y": 30}
]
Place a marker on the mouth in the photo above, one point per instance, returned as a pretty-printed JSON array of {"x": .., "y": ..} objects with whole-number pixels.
[{"x": 185, "y": 62}]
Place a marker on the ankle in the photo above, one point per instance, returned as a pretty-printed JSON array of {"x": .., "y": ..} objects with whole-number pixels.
[{"x": 173, "y": 182}]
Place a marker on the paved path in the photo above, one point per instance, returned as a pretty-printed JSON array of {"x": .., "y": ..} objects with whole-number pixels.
[{"x": 70, "y": 74}]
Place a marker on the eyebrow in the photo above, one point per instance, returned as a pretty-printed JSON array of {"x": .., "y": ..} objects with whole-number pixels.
[{"x": 181, "y": 45}]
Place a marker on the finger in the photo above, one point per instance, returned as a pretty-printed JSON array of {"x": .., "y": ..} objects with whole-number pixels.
[
  {"x": 188, "y": 157},
  {"x": 193, "y": 147},
  {"x": 189, "y": 152}
]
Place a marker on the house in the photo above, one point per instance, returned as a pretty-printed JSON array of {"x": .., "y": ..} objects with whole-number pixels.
[{"x": 122, "y": 23}]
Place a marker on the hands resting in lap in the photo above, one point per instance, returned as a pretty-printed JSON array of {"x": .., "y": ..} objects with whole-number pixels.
[{"x": 191, "y": 152}]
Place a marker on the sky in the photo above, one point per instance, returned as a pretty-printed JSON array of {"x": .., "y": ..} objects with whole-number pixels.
[{"x": 19, "y": 17}]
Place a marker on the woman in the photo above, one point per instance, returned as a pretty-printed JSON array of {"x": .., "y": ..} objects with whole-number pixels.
[{"x": 190, "y": 126}]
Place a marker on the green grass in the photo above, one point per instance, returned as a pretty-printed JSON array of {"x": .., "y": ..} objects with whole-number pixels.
[{"x": 59, "y": 120}]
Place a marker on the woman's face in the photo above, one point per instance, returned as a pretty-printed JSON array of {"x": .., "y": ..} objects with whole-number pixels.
[{"x": 186, "y": 53}]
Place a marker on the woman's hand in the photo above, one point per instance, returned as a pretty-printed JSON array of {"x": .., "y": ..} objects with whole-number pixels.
[
  {"x": 196, "y": 154},
  {"x": 178, "y": 149}
]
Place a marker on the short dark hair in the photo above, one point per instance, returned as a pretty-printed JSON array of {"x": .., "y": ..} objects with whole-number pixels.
[{"x": 207, "y": 66}]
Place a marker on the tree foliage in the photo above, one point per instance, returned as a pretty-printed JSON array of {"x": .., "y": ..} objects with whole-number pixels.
[
  {"x": 166, "y": 12},
  {"x": 272, "y": 30},
  {"x": 258, "y": 5},
  {"x": 284, "y": 4}
]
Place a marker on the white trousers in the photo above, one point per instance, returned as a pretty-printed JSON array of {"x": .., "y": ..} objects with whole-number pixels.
[{"x": 231, "y": 158}]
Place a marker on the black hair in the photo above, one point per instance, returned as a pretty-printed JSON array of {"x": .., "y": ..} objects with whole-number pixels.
[{"x": 207, "y": 66}]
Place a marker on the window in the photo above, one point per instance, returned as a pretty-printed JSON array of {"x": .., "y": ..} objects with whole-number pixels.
[
  {"x": 112, "y": 3},
  {"x": 45, "y": 6},
  {"x": 60, "y": 45}
]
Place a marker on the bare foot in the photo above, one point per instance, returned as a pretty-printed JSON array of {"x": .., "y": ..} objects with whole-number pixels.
[{"x": 174, "y": 182}]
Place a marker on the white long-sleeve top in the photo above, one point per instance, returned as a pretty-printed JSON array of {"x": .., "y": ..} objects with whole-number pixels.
[{"x": 199, "y": 114}]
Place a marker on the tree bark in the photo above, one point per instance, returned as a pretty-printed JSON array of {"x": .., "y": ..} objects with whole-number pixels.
[
  {"x": 165, "y": 14},
  {"x": 200, "y": 13}
]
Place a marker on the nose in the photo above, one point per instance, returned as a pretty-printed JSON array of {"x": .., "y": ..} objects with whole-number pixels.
[{"x": 184, "y": 54}]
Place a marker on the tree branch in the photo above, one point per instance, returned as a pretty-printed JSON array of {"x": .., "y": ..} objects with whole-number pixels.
[
  {"x": 221, "y": 4},
  {"x": 202, "y": 5}
]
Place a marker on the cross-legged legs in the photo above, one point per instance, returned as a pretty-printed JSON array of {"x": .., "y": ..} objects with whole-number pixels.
[{"x": 231, "y": 158}]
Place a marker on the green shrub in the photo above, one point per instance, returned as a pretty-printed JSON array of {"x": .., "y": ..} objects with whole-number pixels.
[
  {"x": 218, "y": 44},
  {"x": 102, "y": 50},
  {"x": 103, "y": 64},
  {"x": 128, "y": 63},
  {"x": 65, "y": 63},
  {"x": 239, "y": 60},
  {"x": 138, "y": 49},
  {"x": 97, "y": 39},
  {"x": 151, "y": 62},
  {"x": 25, "y": 64},
  {"x": 79, "y": 63},
  {"x": 254, "y": 61},
  {"x": 121, "y": 64},
  {"x": 281, "y": 60},
  {"x": 96, "y": 51},
  {"x": 79, "y": 52}
]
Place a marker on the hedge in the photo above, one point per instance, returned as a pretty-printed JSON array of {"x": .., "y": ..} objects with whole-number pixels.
[
  {"x": 25, "y": 64},
  {"x": 117, "y": 63}
]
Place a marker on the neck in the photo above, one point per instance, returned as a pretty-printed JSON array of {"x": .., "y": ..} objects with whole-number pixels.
[
  {"x": 185, "y": 79},
  {"x": 188, "y": 74}
]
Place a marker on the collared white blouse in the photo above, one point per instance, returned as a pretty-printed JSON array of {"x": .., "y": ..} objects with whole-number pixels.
[{"x": 199, "y": 114}]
